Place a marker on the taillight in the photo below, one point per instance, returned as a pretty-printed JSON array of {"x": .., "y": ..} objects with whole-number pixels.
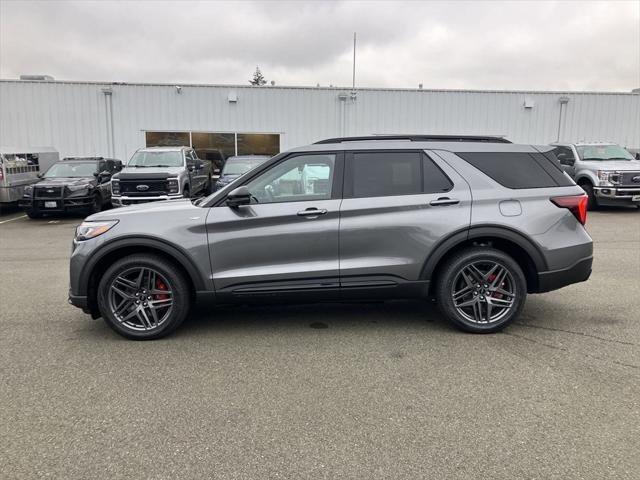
[{"x": 577, "y": 204}]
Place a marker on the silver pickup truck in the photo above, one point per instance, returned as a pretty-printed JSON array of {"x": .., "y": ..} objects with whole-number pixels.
[
  {"x": 161, "y": 173},
  {"x": 606, "y": 172}
]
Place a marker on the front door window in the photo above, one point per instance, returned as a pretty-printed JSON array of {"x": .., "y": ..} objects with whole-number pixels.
[{"x": 298, "y": 179}]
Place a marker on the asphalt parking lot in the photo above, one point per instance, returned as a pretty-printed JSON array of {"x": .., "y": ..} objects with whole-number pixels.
[{"x": 386, "y": 391}]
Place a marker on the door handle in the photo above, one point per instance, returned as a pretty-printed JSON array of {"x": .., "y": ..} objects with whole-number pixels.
[
  {"x": 312, "y": 212},
  {"x": 444, "y": 201}
]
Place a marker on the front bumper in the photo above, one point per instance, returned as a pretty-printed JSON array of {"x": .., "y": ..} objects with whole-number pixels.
[
  {"x": 55, "y": 205},
  {"x": 123, "y": 201},
  {"x": 618, "y": 195},
  {"x": 553, "y": 280}
]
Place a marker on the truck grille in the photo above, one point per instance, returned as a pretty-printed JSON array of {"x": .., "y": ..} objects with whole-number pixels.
[
  {"x": 129, "y": 188},
  {"x": 626, "y": 179},
  {"x": 48, "y": 192}
]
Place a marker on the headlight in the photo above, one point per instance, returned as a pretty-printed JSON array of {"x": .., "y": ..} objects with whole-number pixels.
[
  {"x": 77, "y": 188},
  {"x": 115, "y": 187},
  {"x": 173, "y": 186},
  {"x": 607, "y": 178},
  {"x": 87, "y": 230},
  {"x": 80, "y": 190}
]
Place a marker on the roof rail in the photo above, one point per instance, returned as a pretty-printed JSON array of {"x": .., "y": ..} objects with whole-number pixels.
[
  {"x": 83, "y": 158},
  {"x": 419, "y": 138}
]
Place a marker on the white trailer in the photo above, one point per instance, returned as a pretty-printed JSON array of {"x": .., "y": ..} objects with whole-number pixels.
[{"x": 20, "y": 167}]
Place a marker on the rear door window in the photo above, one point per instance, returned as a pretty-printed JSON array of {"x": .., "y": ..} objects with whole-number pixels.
[{"x": 392, "y": 173}]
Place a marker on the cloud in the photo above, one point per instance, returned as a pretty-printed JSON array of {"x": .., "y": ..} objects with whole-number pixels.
[{"x": 483, "y": 45}]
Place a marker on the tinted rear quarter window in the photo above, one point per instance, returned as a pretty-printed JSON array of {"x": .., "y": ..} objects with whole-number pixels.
[
  {"x": 518, "y": 170},
  {"x": 379, "y": 174}
]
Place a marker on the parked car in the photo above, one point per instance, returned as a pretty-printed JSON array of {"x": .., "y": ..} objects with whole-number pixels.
[
  {"x": 161, "y": 173},
  {"x": 73, "y": 184},
  {"x": 475, "y": 222},
  {"x": 608, "y": 173},
  {"x": 216, "y": 156},
  {"x": 20, "y": 167},
  {"x": 236, "y": 166}
]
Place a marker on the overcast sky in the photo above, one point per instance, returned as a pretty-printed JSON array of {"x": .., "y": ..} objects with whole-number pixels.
[{"x": 573, "y": 45}]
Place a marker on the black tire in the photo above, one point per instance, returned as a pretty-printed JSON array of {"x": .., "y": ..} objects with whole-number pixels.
[
  {"x": 185, "y": 192},
  {"x": 34, "y": 215},
  {"x": 96, "y": 206},
  {"x": 452, "y": 274},
  {"x": 173, "y": 279},
  {"x": 592, "y": 202}
]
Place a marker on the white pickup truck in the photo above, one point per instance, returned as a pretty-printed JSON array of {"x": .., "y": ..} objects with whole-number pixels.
[{"x": 608, "y": 173}]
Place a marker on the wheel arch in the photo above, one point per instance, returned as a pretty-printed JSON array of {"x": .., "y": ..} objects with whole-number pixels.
[
  {"x": 582, "y": 178},
  {"x": 112, "y": 251},
  {"x": 522, "y": 250}
]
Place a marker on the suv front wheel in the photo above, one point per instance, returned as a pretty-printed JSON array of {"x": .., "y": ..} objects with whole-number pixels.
[
  {"x": 143, "y": 297},
  {"x": 481, "y": 290}
]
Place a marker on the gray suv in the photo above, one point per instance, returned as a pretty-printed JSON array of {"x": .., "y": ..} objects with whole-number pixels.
[{"x": 474, "y": 222}]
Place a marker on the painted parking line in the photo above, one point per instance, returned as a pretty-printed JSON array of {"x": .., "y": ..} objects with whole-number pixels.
[{"x": 12, "y": 219}]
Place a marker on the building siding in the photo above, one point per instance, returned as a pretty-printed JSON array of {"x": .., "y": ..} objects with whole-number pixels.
[{"x": 72, "y": 116}]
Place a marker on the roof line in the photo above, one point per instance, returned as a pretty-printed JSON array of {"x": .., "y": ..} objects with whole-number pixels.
[{"x": 293, "y": 87}]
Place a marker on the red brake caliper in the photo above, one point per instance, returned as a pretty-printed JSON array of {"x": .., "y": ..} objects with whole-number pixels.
[
  {"x": 491, "y": 278},
  {"x": 161, "y": 286}
]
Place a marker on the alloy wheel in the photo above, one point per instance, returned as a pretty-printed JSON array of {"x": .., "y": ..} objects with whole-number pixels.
[
  {"x": 140, "y": 298},
  {"x": 483, "y": 292}
]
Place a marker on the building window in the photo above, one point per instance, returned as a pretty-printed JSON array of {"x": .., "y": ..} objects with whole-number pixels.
[
  {"x": 215, "y": 147},
  {"x": 167, "y": 139},
  {"x": 258, "y": 144}
]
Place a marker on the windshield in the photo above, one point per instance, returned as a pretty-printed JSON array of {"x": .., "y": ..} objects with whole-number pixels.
[
  {"x": 238, "y": 166},
  {"x": 156, "y": 159},
  {"x": 71, "y": 170},
  {"x": 603, "y": 152}
]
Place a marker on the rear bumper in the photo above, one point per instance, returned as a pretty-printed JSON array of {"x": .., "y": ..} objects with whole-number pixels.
[{"x": 553, "y": 280}]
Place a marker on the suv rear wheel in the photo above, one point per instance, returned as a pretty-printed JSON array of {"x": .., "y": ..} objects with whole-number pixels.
[
  {"x": 143, "y": 297},
  {"x": 481, "y": 290}
]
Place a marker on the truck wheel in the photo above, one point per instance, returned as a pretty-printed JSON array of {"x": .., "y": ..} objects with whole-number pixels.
[
  {"x": 144, "y": 297},
  {"x": 481, "y": 290},
  {"x": 592, "y": 202},
  {"x": 185, "y": 192}
]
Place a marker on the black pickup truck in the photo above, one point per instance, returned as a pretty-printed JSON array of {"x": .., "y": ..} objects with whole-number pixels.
[{"x": 71, "y": 184}]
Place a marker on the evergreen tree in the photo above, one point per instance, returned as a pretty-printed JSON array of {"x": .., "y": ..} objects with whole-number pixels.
[{"x": 257, "y": 79}]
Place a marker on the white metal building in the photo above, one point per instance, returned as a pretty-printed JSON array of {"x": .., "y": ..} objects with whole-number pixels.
[{"x": 88, "y": 118}]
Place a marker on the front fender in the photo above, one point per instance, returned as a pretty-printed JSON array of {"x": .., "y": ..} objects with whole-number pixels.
[{"x": 144, "y": 243}]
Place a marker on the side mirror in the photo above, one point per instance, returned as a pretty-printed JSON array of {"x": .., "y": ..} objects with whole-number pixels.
[
  {"x": 191, "y": 168},
  {"x": 104, "y": 176},
  {"x": 239, "y": 196},
  {"x": 216, "y": 171},
  {"x": 40, "y": 175},
  {"x": 638, "y": 156},
  {"x": 118, "y": 165}
]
